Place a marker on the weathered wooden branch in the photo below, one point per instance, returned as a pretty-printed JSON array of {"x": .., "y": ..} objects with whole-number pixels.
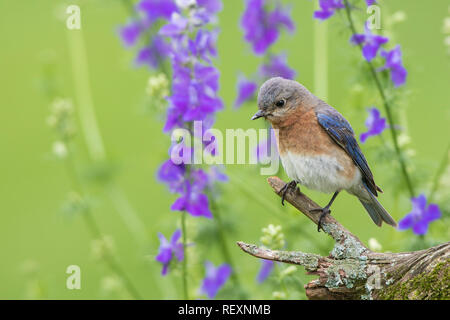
[{"x": 352, "y": 271}]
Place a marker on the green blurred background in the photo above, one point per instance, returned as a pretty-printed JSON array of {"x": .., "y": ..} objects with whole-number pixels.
[{"x": 38, "y": 240}]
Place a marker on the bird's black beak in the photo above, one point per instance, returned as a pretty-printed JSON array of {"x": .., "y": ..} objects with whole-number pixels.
[{"x": 257, "y": 115}]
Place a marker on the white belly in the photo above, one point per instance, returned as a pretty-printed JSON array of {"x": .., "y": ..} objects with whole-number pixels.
[{"x": 322, "y": 173}]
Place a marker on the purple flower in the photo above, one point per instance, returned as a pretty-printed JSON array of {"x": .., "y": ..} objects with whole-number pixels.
[
  {"x": 202, "y": 93},
  {"x": 154, "y": 54},
  {"x": 193, "y": 200},
  {"x": 175, "y": 27},
  {"x": 420, "y": 216},
  {"x": 172, "y": 175},
  {"x": 266, "y": 269},
  {"x": 130, "y": 33},
  {"x": 156, "y": 9},
  {"x": 204, "y": 45},
  {"x": 261, "y": 27},
  {"x": 374, "y": 123},
  {"x": 167, "y": 250},
  {"x": 246, "y": 91},
  {"x": 327, "y": 8},
  {"x": 371, "y": 2},
  {"x": 371, "y": 43},
  {"x": 215, "y": 278},
  {"x": 277, "y": 67},
  {"x": 394, "y": 63}
]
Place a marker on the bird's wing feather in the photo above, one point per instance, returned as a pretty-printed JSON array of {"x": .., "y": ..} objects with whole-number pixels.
[{"x": 342, "y": 133}]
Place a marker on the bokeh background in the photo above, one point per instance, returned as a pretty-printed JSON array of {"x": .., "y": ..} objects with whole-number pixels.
[{"x": 39, "y": 238}]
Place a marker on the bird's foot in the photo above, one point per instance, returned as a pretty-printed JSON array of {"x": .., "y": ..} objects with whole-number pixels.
[
  {"x": 286, "y": 187},
  {"x": 323, "y": 212}
]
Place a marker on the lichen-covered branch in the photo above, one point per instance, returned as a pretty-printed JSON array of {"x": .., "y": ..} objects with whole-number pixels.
[{"x": 352, "y": 271}]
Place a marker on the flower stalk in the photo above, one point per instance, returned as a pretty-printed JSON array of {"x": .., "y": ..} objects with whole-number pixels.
[{"x": 387, "y": 107}]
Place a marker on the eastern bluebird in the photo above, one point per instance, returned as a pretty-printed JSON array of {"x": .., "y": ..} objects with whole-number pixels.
[{"x": 317, "y": 146}]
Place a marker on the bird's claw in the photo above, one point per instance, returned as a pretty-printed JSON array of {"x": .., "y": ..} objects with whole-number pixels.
[
  {"x": 324, "y": 211},
  {"x": 286, "y": 187}
]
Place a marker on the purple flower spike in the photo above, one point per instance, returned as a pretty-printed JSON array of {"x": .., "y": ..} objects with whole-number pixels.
[
  {"x": 371, "y": 43},
  {"x": 374, "y": 123},
  {"x": 395, "y": 64},
  {"x": 328, "y": 8},
  {"x": 420, "y": 216},
  {"x": 167, "y": 250},
  {"x": 215, "y": 278},
  {"x": 261, "y": 28},
  {"x": 371, "y": 2},
  {"x": 277, "y": 67},
  {"x": 246, "y": 91},
  {"x": 266, "y": 269}
]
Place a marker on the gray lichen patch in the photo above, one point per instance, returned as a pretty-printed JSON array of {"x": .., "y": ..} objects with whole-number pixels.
[
  {"x": 348, "y": 272},
  {"x": 349, "y": 248},
  {"x": 308, "y": 260}
]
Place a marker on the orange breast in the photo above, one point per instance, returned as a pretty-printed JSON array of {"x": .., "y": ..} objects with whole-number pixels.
[{"x": 301, "y": 134}]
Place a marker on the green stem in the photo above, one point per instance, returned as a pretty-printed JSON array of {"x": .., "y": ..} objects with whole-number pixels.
[
  {"x": 320, "y": 58},
  {"x": 439, "y": 173},
  {"x": 91, "y": 132},
  {"x": 94, "y": 229},
  {"x": 387, "y": 108},
  {"x": 223, "y": 241},
  {"x": 185, "y": 260}
]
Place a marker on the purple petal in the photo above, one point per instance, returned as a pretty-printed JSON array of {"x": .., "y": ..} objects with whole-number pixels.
[
  {"x": 215, "y": 278},
  {"x": 175, "y": 237},
  {"x": 398, "y": 75},
  {"x": 130, "y": 33},
  {"x": 176, "y": 26},
  {"x": 266, "y": 269},
  {"x": 420, "y": 228},
  {"x": 419, "y": 203},
  {"x": 172, "y": 175},
  {"x": 323, "y": 14},
  {"x": 157, "y": 8},
  {"x": 212, "y": 6},
  {"x": 358, "y": 38},
  {"x": 180, "y": 204},
  {"x": 277, "y": 67},
  {"x": 164, "y": 269},
  {"x": 432, "y": 213},
  {"x": 246, "y": 91},
  {"x": 199, "y": 206},
  {"x": 406, "y": 223}
]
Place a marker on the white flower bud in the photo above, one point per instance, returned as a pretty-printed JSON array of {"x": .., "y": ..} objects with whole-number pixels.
[
  {"x": 59, "y": 149},
  {"x": 374, "y": 245}
]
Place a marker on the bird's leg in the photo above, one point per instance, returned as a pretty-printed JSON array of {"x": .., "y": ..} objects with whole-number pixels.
[
  {"x": 325, "y": 210},
  {"x": 285, "y": 188}
]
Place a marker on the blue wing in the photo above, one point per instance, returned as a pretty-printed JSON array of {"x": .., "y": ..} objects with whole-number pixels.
[{"x": 342, "y": 133}]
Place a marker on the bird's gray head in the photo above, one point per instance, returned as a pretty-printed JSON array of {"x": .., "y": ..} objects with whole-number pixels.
[{"x": 279, "y": 97}]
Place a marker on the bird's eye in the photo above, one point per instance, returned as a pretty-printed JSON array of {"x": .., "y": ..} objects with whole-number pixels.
[{"x": 280, "y": 103}]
